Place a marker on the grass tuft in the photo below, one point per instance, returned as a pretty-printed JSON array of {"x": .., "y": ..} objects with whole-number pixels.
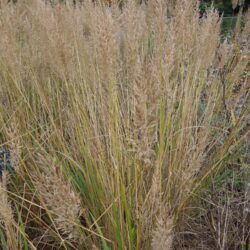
[{"x": 117, "y": 118}]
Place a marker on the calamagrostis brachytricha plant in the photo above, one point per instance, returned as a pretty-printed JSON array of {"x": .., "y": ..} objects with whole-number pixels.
[{"x": 134, "y": 101}]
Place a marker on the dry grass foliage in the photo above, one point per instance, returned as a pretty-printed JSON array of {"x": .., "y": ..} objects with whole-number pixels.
[{"x": 118, "y": 116}]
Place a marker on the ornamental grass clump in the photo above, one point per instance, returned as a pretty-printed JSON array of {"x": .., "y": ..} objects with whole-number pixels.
[{"x": 121, "y": 115}]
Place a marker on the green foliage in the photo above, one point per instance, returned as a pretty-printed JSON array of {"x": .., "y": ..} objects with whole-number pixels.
[{"x": 224, "y": 7}]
